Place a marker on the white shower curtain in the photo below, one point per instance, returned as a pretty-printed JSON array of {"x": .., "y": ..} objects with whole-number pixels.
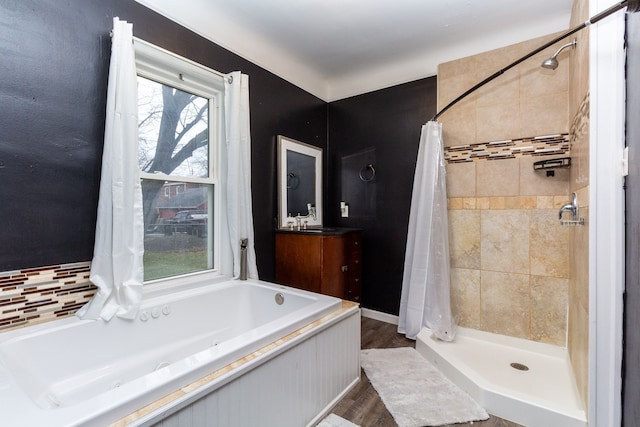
[
  {"x": 425, "y": 284},
  {"x": 116, "y": 268},
  {"x": 238, "y": 166}
]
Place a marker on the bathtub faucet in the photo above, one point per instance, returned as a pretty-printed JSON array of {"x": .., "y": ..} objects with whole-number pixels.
[{"x": 243, "y": 258}]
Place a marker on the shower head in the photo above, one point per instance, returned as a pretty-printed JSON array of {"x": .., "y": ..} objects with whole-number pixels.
[{"x": 552, "y": 63}]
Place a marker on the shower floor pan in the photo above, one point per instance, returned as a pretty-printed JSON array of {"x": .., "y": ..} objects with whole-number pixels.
[{"x": 526, "y": 382}]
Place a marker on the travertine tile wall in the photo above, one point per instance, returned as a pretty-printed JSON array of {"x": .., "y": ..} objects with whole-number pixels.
[
  {"x": 510, "y": 257},
  {"x": 578, "y": 319}
]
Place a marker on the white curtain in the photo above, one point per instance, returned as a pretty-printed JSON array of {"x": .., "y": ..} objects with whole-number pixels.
[
  {"x": 238, "y": 166},
  {"x": 425, "y": 284},
  {"x": 116, "y": 268}
]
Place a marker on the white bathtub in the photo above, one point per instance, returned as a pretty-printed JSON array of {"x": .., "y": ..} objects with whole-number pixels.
[{"x": 84, "y": 372}]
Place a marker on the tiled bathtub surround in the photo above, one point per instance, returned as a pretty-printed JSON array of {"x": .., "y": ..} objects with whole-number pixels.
[{"x": 38, "y": 295}]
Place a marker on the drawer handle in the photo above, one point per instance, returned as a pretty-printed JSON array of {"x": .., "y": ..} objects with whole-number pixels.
[{"x": 344, "y": 268}]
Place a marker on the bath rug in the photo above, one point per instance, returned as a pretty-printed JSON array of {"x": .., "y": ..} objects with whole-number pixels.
[
  {"x": 332, "y": 420},
  {"x": 415, "y": 392}
]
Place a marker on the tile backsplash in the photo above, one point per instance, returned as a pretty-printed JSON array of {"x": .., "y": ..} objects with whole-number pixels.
[{"x": 37, "y": 295}]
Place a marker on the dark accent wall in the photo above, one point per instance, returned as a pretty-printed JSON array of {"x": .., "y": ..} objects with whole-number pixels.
[
  {"x": 380, "y": 128},
  {"x": 631, "y": 339},
  {"x": 53, "y": 77}
]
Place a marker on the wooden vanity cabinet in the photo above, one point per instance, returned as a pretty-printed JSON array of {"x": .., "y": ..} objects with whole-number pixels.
[{"x": 327, "y": 262}]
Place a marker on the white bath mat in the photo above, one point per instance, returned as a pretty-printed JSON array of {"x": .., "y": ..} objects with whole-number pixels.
[
  {"x": 415, "y": 392},
  {"x": 332, "y": 420}
]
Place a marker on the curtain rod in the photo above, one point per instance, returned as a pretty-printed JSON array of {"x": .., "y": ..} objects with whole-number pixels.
[{"x": 632, "y": 6}]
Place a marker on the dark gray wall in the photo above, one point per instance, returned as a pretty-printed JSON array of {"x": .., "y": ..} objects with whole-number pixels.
[
  {"x": 631, "y": 358},
  {"x": 380, "y": 128},
  {"x": 53, "y": 75}
]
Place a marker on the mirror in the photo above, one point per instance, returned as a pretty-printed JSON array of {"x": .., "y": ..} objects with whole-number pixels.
[{"x": 299, "y": 184}]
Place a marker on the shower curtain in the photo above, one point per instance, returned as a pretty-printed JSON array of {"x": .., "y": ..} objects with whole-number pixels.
[
  {"x": 238, "y": 171},
  {"x": 425, "y": 297},
  {"x": 116, "y": 268}
]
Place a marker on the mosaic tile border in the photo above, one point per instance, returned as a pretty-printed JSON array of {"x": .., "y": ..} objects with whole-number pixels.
[
  {"x": 546, "y": 145},
  {"x": 580, "y": 125},
  {"x": 38, "y": 295}
]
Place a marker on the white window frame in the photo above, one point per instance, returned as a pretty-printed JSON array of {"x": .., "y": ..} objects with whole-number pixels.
[{"x": 162, "y": 66}]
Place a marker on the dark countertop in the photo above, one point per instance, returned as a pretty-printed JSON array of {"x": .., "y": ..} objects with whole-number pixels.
[{"x": 324, "y": 231}]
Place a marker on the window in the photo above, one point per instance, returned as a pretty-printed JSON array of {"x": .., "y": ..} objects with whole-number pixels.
[{"x": 179, "y": 131}]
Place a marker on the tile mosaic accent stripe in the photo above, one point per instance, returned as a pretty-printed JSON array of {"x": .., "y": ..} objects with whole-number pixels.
[
  {"x": 580, "y": 125},
  {"x": 38, "y": 295},
  {"x": 546, "y": 145}
]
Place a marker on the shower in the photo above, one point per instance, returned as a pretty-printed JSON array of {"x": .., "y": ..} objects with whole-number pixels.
[{"x": 551, "y": 63}]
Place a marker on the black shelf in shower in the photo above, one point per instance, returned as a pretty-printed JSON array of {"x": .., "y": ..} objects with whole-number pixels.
[
  {"x": 558, "y": 163},
  {"x": 550, "y": 165}
]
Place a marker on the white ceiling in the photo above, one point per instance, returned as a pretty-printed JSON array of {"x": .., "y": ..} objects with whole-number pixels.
[{"x": 338, "y": 48}]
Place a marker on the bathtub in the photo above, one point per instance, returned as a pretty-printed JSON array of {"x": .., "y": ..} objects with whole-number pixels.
[
  {"x": 87, "y": 372},
  {"x": 523, "y": 381}
]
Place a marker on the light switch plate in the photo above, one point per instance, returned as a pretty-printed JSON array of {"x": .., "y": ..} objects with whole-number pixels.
[{"x": 344, "y": 210}]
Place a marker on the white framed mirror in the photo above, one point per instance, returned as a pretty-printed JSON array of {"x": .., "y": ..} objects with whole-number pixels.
[{"x": 299, "y": 184}]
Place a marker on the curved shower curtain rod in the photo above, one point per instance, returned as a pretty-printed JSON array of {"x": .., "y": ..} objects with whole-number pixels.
[{"x": 631, "y": 5}]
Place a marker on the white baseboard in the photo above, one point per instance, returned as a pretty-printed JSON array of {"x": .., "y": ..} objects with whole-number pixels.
[{"x": 379, "y": 315}]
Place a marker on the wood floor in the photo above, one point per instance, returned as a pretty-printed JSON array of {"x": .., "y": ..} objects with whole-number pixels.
[{"x": 363, "y": 406}]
